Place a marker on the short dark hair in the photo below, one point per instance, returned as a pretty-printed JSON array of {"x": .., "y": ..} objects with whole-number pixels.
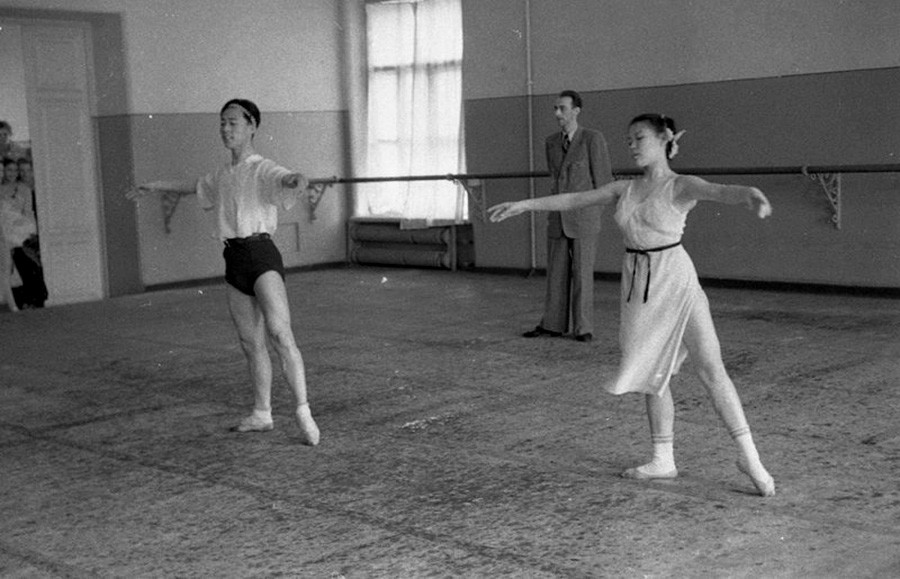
[
  {"x": 250, "y": 110},
  {"x": 576, "y": 98}
]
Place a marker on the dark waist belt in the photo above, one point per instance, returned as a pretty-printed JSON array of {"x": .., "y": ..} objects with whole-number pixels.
[
  {"x": 646, "y": 253},
  {"x": 234, "y": 241}
]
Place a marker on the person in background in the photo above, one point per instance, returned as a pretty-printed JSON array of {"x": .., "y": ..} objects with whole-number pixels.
[
  {"x": 20, "y": 233},
  {"x": 246, "y": 194},
  {"x": 6, "y": 270},
  {"x": 578, "y": 160},
  {"x": 665, "y": 314},
  {"x": 26, "y": 171},
  {"x": 8, "y": 148},
  {"x": 26, "y": 175}
]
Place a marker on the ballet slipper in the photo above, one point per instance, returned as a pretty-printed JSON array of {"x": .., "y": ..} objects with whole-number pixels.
[
  {"x": 649, "y": 472},
  {"x": 308, "y": 428},
  {"x": 254, "y": 423},
  {"x": 763, "y": 481}
]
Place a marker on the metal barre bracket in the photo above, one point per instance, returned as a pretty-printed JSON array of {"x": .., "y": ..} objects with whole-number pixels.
[
  {"x": 831, "y": 186},
  {"x": 169, "y": 201},
  {"x": 315, "y": 192},
  {"x": 475, "y": 190}
]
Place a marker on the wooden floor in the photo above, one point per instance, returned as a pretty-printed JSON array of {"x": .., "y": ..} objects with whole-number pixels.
[{"x": 451, "y": 446}]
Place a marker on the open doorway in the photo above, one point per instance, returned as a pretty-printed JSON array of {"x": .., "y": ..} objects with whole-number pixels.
[
  {"x": 21, "y": 270},
  {"x": 49, "y": 64}
]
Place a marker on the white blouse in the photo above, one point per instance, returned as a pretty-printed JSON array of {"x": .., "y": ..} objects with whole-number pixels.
[{"x": 246, "y": 196}]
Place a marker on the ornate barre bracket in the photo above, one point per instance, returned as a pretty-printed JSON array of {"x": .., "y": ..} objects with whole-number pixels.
[
  {"x": 169, "y": 202},
  {"x": 831, "y": 185},
  {"x": 315, "y": 192},
  {"x": 475, "y": 190}
]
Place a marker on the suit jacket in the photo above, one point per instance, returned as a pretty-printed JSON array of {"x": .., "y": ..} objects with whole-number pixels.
[{"x": 584, "y": 167}]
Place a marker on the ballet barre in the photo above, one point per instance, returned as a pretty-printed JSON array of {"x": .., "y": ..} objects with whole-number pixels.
[{"x": 828, "y": 177}]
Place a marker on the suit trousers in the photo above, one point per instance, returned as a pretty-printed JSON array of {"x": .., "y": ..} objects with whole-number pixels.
[{"x": 569, "y": 301}]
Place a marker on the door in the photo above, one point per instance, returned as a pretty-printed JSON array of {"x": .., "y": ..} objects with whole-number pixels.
[{"x": 62, "y": 138}]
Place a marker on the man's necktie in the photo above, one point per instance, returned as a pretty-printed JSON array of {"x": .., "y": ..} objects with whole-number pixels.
[{"x": 566, "y": 142}]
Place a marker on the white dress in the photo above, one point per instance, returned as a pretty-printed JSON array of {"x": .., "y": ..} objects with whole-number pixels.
[{"x": 659, "y": 290}]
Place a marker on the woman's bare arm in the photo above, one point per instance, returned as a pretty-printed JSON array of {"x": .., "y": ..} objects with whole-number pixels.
[
  {"x": 606, "y": 194},
  {"x": 691, "y": 188}
]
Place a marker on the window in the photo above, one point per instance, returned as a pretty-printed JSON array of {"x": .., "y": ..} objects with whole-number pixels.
[{"x": 414, "y": 110}]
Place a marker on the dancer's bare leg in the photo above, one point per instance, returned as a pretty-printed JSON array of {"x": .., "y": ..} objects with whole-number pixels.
[
  {"x": 248, "y": 320},
  {"x": 703, "y": 344},
  {"x": 272, "y": 298},
  {"x": 661, "y": 413}
]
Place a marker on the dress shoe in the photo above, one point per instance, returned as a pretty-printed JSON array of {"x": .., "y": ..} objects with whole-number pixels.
[
  {"x": 588, "y": 337},
  {"x": 539, "y": 331}
]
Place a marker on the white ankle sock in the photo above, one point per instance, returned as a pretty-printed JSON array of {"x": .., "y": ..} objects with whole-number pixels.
[
  {"x": 663, "y": 453},
  {"x": 263, "y": 415},
  {"x": 744, "y": 440},
  {"x": 663, "y": 463}
]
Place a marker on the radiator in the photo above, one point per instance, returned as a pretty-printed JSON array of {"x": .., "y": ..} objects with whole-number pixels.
[{"x": 385, "y": 243}]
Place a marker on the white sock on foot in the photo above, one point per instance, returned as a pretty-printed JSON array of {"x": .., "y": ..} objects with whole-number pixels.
[{"x": 663, "y": 463}]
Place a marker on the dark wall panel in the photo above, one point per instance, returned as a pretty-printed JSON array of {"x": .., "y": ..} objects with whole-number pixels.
[{"x": 827, "y": 119}]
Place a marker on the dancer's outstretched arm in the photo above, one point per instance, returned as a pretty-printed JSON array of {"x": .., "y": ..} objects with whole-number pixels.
[
  {"x": 180, "y": 187},
  {"x": 562, "y": 202},
  {"x": 696, "y": 189}
]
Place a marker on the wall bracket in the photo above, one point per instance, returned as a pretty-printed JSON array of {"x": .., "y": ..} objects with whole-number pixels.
[
  {"x": 315, "y": 192},
  {"x": 169, "y": 201},
  {"x": 831, "y": 186},
  {"x": 475, "y": 190}
]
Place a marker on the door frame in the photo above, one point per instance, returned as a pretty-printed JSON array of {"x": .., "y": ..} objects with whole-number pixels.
[{"x": 88, "y": 139}]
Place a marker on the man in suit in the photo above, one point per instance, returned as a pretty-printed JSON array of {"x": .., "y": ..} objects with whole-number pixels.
[{"x": 578, "y": 160}]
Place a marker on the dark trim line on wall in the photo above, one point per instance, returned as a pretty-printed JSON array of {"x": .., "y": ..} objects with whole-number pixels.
[{"x": 728, "y": 80}]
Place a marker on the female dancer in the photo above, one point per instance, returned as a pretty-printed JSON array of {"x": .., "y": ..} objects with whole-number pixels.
[
  {"x": 246, "y": 194},
  {"x": 664, "y": 312}
]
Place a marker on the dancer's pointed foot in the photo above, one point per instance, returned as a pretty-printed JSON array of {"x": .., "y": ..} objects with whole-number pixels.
[
  {"x": 761, "y": 478},
  {"x": 651, "y": 471},
  {"x": 254, "y": 423},
  {"x": 308, "y": 428}
]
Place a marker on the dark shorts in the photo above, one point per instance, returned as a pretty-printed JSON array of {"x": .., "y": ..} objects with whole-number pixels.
[{"x": 248, "y": 258}]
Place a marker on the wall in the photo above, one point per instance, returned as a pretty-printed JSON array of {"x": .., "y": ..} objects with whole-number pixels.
[
  {"x": 763, "y": 84},
  {"x": 164, "y": 67},
  {"x": 184, "y": 145},
  {"x": 12, "y": 89}
]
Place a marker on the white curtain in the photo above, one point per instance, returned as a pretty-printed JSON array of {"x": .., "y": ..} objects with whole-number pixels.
[{"x": 414, "y": 110}]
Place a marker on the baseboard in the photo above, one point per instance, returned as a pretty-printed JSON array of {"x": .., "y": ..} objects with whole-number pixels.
[{"x": 799, "y": 287}]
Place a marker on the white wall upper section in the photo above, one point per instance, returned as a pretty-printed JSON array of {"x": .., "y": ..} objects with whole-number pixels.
[
  {"x": 186, "y": 56},
  {"x": 12, "y": 87},
  {"x": 613, "y": 44}
]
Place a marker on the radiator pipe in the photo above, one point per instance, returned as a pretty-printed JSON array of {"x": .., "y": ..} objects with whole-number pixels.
[{"x": 532, "y": 218}]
